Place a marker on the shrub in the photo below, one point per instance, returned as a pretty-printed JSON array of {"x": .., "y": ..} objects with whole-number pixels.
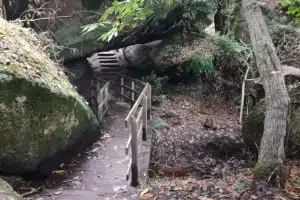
[
  {"x": 158, "y": 83},
  {"x": 293, "y": 8},
  {"x": 197, "y": 66}
]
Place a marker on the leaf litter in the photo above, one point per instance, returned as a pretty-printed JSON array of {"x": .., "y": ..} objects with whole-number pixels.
[{"x": 185, "y": 142}]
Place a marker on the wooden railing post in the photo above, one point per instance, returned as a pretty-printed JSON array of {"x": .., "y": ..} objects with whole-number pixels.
[
  {"x": 101, "y": 98},
  {"x": 149, "y": 95},
  {"x": 93, "y": 96},
  {"x": 106, "y": 94},
  {"x": 122, "y": 89},
  {"x": 132, "y": 93},
  {"x": 134, "y": 153},
  {"x": 145, "y": 116}
]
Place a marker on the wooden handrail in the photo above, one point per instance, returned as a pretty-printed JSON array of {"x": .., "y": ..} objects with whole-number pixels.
[
  {"x": 135, "y": 106},
  {"x": 128, "y": 88},
  {"x": 132, "y": 79},
  {"x": 126, "y": 97},
  {"x": 99, "y": 79}
]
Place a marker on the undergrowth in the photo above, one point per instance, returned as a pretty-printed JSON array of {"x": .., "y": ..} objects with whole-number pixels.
[{"x": 197, "y": 66}]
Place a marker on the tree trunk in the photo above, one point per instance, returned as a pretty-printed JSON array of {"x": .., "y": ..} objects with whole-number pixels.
[
  {"x": 1, "y": 9},
  {"x": 271, "y": 154}
]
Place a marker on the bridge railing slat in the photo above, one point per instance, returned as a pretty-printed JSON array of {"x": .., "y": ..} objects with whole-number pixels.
[{"x": 136, "y": 121}]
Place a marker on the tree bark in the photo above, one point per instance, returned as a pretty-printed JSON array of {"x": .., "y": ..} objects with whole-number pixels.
[
  {"x": 271, "y": 154},
  {"x": 1, "y": 9}
]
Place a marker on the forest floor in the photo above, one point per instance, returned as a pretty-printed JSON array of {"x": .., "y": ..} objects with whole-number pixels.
[{"x": 192, "y": 159}]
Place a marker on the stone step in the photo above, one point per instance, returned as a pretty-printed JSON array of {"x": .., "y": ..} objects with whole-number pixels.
[
  {"x": 107, "y": 56},
  {"x": 109, "y": 60}
]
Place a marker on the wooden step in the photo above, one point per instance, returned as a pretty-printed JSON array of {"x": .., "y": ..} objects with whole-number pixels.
[{"x": 109, "y": 60}]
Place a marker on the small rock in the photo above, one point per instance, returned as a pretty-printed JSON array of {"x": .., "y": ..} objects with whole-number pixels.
[{"x": 209, "y": 123}]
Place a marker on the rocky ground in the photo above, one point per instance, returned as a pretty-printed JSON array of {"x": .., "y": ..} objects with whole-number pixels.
[{"x": 198, "y": 153}]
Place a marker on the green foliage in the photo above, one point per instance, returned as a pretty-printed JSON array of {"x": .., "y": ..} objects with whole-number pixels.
[
  {"x": 158, "y": 124},
  {"x": 279, "y": 31},
  {"x": 198, "y": 66},
  {"x": 293, "y": 8},
  {"x": 124, "y": 15},
  {"x": 240, "y": 186},
  {"x": 159, "y": 100},
  {"x": 230, "y": 47},
  {"x": 50, "y": 47},
  {"x": 158, "y": 83},
  {"x": 120, "y": 16}
]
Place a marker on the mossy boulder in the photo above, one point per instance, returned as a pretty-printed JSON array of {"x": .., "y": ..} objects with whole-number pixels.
[
  {"x": 177, "y": 50},
  {"x": 41, "y": 114},
  {"x": 7, "y": 192},
  {"x": 253, "y": 125}
]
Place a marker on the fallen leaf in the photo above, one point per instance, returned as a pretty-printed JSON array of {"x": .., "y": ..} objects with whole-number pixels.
[
  {"x": 61, "y": 172},
  {"x": 146, "y": 196},
  {"x": 145, "y": 191},
  {"x": 95, "y": 149},
  {"x": 58, "y": 192}
]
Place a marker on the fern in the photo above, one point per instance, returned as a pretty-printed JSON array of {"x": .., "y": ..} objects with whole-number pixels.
[
  {"x": 158, "y": 124},
  {"x": 198, "y": 66}
]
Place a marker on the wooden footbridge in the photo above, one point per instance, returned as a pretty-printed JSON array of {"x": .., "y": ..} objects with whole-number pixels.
[
  {"x": 123, "y": 106},
  {"x": 138, "y": 95}
]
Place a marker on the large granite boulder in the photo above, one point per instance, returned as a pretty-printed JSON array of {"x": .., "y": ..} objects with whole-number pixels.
[
  {"x": 67, "y": 30},
  {"x": 7, "y": 192},
  {"x": 253, "y": 125},
  {"x": 41, "y": 115}
]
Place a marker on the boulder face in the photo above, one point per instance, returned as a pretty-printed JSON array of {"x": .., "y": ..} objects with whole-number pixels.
[
  {"x": 253, "y": 125},
  {"x": 67, "y": 30},
  {"x": 7, "y": 192},
  {"x": 41, "y": 115}
]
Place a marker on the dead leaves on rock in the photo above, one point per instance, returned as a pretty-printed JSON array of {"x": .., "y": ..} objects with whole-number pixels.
[{"x": 292, "y": 184}]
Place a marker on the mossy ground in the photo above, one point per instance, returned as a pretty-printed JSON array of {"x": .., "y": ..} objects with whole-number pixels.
[{"x": 40, "y": 112}]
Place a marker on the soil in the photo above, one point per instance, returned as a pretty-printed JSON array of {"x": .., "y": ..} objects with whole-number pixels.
[{"x": 191, "y": 160}]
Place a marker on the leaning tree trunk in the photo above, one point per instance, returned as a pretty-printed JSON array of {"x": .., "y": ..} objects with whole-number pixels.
[
  {"x": 1, "y": 9},
  {"x": 271, "y": 154}
]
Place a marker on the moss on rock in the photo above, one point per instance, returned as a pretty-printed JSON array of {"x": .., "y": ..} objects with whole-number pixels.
[
  {"x": 253, "y": 125},
  {"x": 7, "y": 192},
  {"x": 177, "y": 50},
  {"x": 41, "y": 114}
]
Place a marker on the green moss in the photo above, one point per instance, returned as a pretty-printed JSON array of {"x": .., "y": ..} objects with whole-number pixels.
[
  {"x": 40, "y": 112},
  {"x": 37, "y": 123},
  {"x": 271, "y": 172}
]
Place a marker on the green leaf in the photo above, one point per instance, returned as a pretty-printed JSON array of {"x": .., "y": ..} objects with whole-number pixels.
[{"x": 240, "y": 186}]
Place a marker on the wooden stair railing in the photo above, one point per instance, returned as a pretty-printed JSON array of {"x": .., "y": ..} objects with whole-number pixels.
[{"x": 136, "y": 120}]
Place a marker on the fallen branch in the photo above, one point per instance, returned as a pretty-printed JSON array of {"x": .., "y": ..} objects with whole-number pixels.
[
  {"x": 32, "y": 192},
  {"x": 286, "y": 70}
]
